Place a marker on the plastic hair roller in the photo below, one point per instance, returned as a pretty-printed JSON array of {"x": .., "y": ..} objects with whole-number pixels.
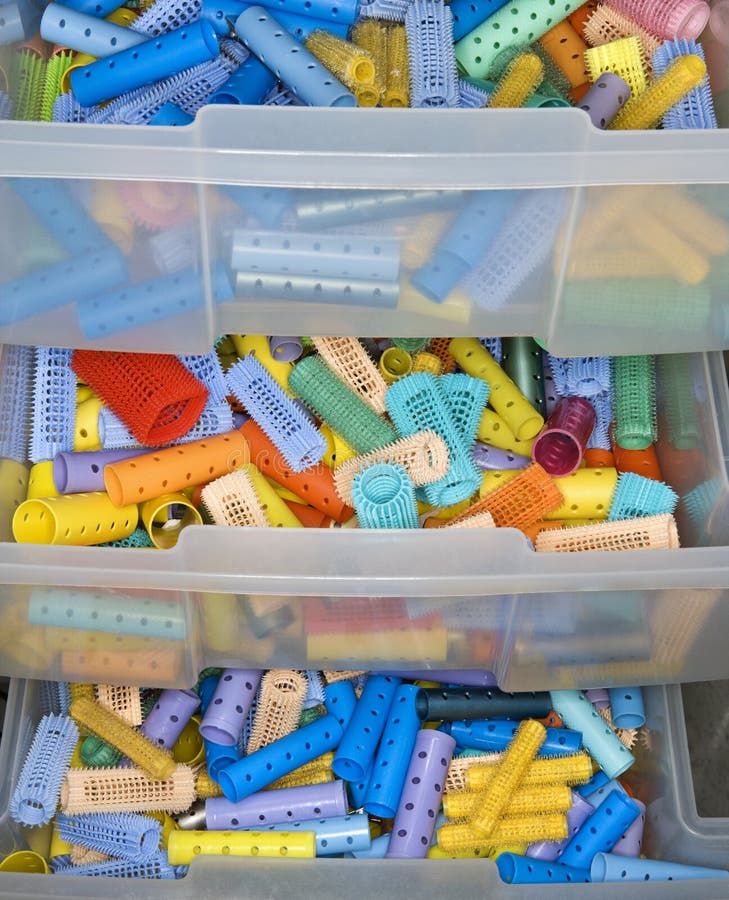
[{"x": 561, "y": 444}]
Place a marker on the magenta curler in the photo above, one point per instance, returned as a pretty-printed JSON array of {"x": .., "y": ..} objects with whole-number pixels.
[{"x": 558, "y": 448}]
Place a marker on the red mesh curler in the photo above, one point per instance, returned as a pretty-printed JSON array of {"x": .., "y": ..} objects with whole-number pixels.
[{"x": 153, "y": 394}]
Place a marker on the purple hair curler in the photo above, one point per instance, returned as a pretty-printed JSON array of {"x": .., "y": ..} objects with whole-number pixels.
[
  {"x": 599, "y": 697},
  {"x": 605, "y": 99},
  {"x": 422, "y": 793},
  {"x": 286, "y": 349},
  {"x": 558, "y": 448},
  {"x": 169, "y": 715},
  {"x": 487, "y": 457},
  {"x": 296, "y": 804},
  {"x": 223, "y": 719},
  {"x": 630, "y": 844},
  {"x": 78, "y": 473}
]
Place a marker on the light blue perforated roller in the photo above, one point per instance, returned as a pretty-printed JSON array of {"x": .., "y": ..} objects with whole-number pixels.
[
  {"x": 84, "y": 33},
  {"x": 433, "y": 74},
  {"x": 16, "y": 375},
  {"x": 54, "y": 403},
  {"x": 247, "y": 86},
  {"x": 289, "y": 61},
  {"x": 125, "y": 835},
  {"x": 113, "y": 613},
  {"x": 334, "y": 835}
]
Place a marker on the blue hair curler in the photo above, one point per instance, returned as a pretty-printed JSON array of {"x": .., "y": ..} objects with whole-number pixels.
[
  {"x": 154, "y": 867},
  {"x": 334, "y": 835},
  {"x": 298, "y": 23},
  {"x": 516, "y": 869},
  {"x": 696, "y": 108},
  {"x": 471, "y": 96},
  {"x": 300, "y": 443},
  {"x": 495, "y": 735},
  {"x": 418, "y": 403},
  {"x": 627, "y": 707},
  {"x": 55, "y": 205},
  {"x": 636, "y": 496},
  {"x": 54, "y": 404},
  {"x": 84, "y": 33},
  {"x": 257, "y": 771},
  {"x": 55, "y": 698},
  {"x": 150, "y": 301},
  {"x": 112, "y": 613},
  {"x": 100, "y": 9},
  {"x": 289, "y": 61},
  {"x": 37, "y": 792},
  {"x": 247, "y": 86},
  {"x": 16, "y": 375},
  {"x": 328, "y": 11},
  {"x": 601, "y": 831},
  {"x": 383, "y": 496},
  {"x": 465, "y": 398},
  {"x": 377, "y": 849},
  {"x": 359, "y": 741},
  {"x": 55, "y": 285},
  {"x": 171, "y": 114},
  {"x": 125, "y": 835},
  {"x": 157, "y": 58},
  {"x": 267, "y": 205},
  {"x": 206, "y": 367},
  {"x": 608, "y": 867},
  {"x": 358, "y": 789},
  {"x": 433, "y": 73},
  {"x": 393, "y": 757},
  {"x": 340, "y": 701},
  {"x": 464, "y": 243},
  {"x": 219, "y": 757},
  {"x": 11, "y": 24}
]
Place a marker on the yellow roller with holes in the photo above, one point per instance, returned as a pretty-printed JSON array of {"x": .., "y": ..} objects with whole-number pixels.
[
  {"x": 587, "y": 494},
  {"x": 184, "y": 846},
  {"x": 73, "y": 519}
]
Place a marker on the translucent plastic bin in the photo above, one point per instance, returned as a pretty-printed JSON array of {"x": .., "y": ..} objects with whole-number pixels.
[
  {"x": 344, "y": 598},
  {"x": 598, "y": 242},
  {"x": 673, "y": 831}
]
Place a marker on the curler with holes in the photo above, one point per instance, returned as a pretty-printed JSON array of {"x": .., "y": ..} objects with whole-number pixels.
[
  {"x": 340, "y": 701},
  {"x": 586, "y": 493},
  {"x": 607, "y": 96},
  {"x": 339, "y": 406},
  {"x": 86, "y": 33},
  {"x": 247, "y": 86},
  {"x": 174, "y": 468},
  {"x": 184, "y": 846},
  {"x": 602, "y": 830},
  {"x": 611, "y": 867},
  {"x": 463, "y": 244},
  {"x": 469, "y": 14},
  {"x": 335, "y": 835},
  {"x": 495, "y": 735},
  {"x": 312, "y": 289},
  {"x": 567, "y": 48},
  {"x": 108, "y": 726},
  {"x": 158, "y": 299},
  {"x": 394, "y": 363},
  {"x": 362, "y": 733},
  {"x": 505, "y": 397},
  {"x": 391, "y": 763},
  {"x": 422, "y": 793},
  {"x": 548, "y": 851},
  {"x": 448, "y": 704},
  {"x": 433, "y": 74},
  {"x": 315, "y": 485},
  {"x": 510, "y": 26},
  {"x": 275, "y": 509},
  {"x": 73, "y": 519},
  {"x": 307, "y": 78},
  {"x": 598, "y": 738},
  {"x": 299, "y": 442},
  {"x": 165, "y": 517},
  {"x": 262, "y": 768},
  {"x": 279, "y": 706},
  {"x": 36, "y": 794},
  {"x": 348, "y": 359},
  {"x": 493, "y": 459},
  {"x": 515, "y": 868},
  {"x": 135, "y": 67},
  {"x": 40, "y": 481},
  {"x": 125, "y": 835},
  {"x": 285, "y": 805},
  {"x": 234, "y": 694},
  {"x": 561, "y": 444},
  {"x": 521, "y": 360},
  {"x": 167, "y": 719}
]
